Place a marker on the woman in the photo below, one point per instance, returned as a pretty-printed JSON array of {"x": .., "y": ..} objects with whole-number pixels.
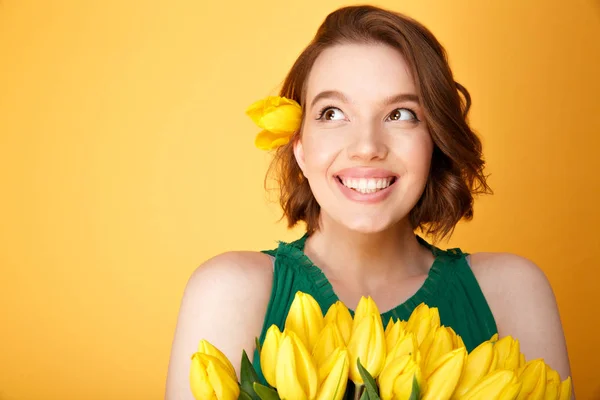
[{"x": 384, "y": 148}]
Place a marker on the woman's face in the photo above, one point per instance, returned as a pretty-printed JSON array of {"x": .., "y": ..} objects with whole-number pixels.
[{"x": 364, "y": 148}]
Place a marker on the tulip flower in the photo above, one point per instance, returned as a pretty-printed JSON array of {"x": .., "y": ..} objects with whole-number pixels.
[
  {"x": 445, "y": 376},
  {"x": 296, "y": 374},
  {"x": 396, "y": 378},
  {"x": 500, "y": 385},
  {"x": 339, "y": 314},
  {"x": 393, "y": 332},
  {"x": 480, "y": 362},
  {"x": 268, "y": 353},
  {"x": 407, "y": 345},
  {"x": 211, "y": 379},
  {"x": 305, "y": 319},
  {"x": 366, "y": 306},
  {"x": 422, "y": 320},
  {"x": 329, "y": 339},
  {"x": 207, "y": 348},
  {"x": 279, "y": 118},
  {"x": 566, "y": 388},
  {"x": 367, "y": 342},
  {"x": 333, "y": 375},
  {"x": 533, "y": 376},
  {"x": 440, "y": 342},
  {"x": 509, "y": 353}
]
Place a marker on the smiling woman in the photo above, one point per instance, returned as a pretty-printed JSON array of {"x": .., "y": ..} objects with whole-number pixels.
[{"x": 383, "y": 148}]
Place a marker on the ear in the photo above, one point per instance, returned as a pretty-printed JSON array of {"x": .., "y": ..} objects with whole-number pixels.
[{"x": 299, "y": 154}]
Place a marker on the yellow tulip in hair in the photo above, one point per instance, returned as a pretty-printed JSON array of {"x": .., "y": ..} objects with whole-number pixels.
[{"x": 279, "y": 117}]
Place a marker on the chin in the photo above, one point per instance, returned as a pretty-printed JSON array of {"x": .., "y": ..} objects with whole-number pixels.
[{"x": 366, "y": 224}]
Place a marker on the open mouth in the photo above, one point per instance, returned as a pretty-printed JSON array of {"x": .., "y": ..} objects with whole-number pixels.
[{"x": 367, "y": 186}]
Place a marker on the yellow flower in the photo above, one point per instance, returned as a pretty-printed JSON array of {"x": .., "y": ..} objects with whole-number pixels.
[
  {"x": 296, "y": 375},
  {"x": 367, "y": 342},
  {"x": 211, "y": 379},
  {"x": 268, "y": 353},
  {"x": 329, "y": 339},
  {"x": 422, "y": 320},
  {"x": 394, "y": 332},
  {"x": 552, "y": 384},
  {"x": 366, "y": 306},
  {"x": 480, "y": 362},
  {"x": 565, "y": 389},
  {"x": 206, "y": 348},
  {"x": 396, "y": 378},
  {"x": 339, "y": 314},
  {"x": 407, "y": 345},
  {"x": 440, "y": 343},
  {"x": 305, "y": 319},
  {"x": 445, "y": 376},
  {"x": 333, "y": 375},
  {"x": 500, "y": 385},
  {"x": 533, "y": 376},
  {"x": 279, "y": 117},
  {"x": 509, "y": 353}
]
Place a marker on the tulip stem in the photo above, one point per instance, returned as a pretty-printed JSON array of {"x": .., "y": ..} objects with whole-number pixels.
[{"x": 358, "y": 390}]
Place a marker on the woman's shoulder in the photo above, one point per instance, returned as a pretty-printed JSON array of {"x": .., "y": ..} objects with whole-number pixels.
[
  {"x": 508, "y": 279},
  {"x": 502, "y": 272},
  {"x": 524, "y": 306},
  {"x": 236, "y": 267}
]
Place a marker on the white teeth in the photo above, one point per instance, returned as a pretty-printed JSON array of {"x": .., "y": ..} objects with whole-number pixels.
[{"x": 364, "y": 185}]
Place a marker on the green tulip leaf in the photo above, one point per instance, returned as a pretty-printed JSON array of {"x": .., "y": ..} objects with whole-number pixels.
[
  {"x": 249, "y": 376},
  {"x": 264, "y": 392},
  {"x": 415, "y": 394},
  {"x": 370, "y": 385},
  {"x": 244, "y": 396}
]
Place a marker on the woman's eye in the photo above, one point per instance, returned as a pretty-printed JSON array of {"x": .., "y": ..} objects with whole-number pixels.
[
  {"x": 403, "y": 114},
  {"x": 331, "y": 114}
]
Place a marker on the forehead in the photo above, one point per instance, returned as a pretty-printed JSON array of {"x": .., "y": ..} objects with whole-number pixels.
[{"x": 361, "y": 71}]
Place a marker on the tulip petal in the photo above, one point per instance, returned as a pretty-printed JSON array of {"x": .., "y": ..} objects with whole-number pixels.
[
  {"x": 334, "y": 385},
  {"x": 206, "y": 347},
  {"x": 407, "y": 345},
  {"x": 340, "y": 314},
  {"x": 329, "y": 339},
  {"x": 509, "y": 353},
  {"x": 533, "y": 376},
  {"x": 422, "y": 320},
  {"x": 477, "y": 366},
  {"x": 199, "y": 383},
  {"x": 268, "y": 354},
  {"x": 266, "y": 140},
  {"x": 225, "y": 387},
  {"x": 287, "y": 383},
  {"x": 441, "y": 344},
  {"x": 389, "y": 374},
  {"x": 305, "y": 319},
  {"x": 445, "y": 377},
  {"x": 566, "y": 388},
  {"x": 305, "y": 367},
  {"x": 367, "y": 342},
  {"x": 491, "y": 386}
]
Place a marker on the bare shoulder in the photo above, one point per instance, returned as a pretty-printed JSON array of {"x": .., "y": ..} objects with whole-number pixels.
[
  {"x": 224, "y": 302},
  {"x": 524, "y": 305}
]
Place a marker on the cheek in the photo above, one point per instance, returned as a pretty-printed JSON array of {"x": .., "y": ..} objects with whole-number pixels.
[{"x": 319, "y": 154}]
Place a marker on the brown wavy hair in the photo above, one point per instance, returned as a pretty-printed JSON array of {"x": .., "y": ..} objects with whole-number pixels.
[{"x": 456, "y": 172}]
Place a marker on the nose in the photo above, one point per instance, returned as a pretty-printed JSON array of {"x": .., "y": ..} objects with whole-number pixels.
[{"x": 368, "y": 143}]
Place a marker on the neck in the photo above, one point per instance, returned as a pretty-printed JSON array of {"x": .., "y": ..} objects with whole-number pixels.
[{"x": 365, "y": 260}]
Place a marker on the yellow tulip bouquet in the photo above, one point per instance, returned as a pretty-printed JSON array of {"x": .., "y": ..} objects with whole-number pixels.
[{"x": 336, "y": 357}]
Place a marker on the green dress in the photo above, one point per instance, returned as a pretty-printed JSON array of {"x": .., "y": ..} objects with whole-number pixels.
[{"x": 450, "y": 286}]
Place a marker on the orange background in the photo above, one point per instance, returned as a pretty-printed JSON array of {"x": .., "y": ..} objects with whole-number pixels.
[{"x": 126, "y": 161}]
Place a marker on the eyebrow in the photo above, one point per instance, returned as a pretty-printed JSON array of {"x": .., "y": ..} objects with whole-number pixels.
[{"x": 334, "y": 94}]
